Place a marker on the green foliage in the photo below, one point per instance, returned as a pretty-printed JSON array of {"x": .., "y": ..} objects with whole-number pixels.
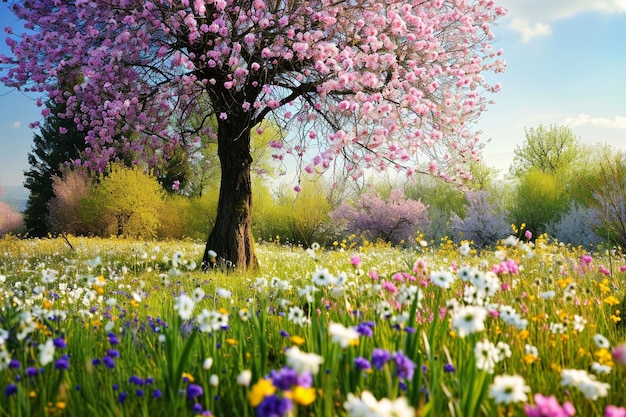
[
  {"x": 441, "y": 200},
  {"x": 125, "y": 202},
  {"x": 297, "y": 217},
  {"x": 540, "y": 199},
  {"x": 607, "y": 193},
  {"x": 552, "y": 150}
]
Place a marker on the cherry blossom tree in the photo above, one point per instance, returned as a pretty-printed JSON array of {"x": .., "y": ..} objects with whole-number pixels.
[{"x": 383, "y": 84}]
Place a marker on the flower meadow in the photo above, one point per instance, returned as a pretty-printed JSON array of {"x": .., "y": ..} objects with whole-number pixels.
[{"x": 127, "y": 328}]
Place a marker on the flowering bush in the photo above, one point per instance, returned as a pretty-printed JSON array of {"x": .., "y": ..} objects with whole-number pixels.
[
  {"x": 396, "y": 219},
  {"x": 484, "y": 223}
]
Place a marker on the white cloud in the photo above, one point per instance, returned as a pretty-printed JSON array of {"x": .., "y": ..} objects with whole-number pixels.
[
  {"x": 16, "y": 124},
  {"x": 528, "y": 30},
  {"x": 531, "y": 18},
  {"x": 618, "y": 122}
]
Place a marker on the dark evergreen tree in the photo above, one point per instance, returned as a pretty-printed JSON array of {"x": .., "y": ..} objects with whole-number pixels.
[{"x": 58, "y": 142}]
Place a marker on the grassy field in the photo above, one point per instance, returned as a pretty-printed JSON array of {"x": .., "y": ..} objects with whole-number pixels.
[{"x": 127, "y": 328}]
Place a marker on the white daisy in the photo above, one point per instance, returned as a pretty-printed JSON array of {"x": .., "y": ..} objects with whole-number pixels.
[
  {"x": 223, "y": 292},
  {"x": 507, "y": 389},
  {"x": 579, "y": 323},
  {"x": 469, "y": 319},
  {"x": 322, "y": 277},
  {"x": 601, "y": 341},
  {"x": 197, "y": 295},
  {"x": 184, "y": 306},
  {"x": 303, "y": 362},
  {"x": 46, "y": 352},
  {"x": 344, "y": 336},
  {"x": 442, "y": 279},
  {"x": 487, "y": 355},
  {"x": 598, "y": 368}
]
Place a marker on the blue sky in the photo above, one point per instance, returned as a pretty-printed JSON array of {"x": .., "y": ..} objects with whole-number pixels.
[{"x": 566, "y": 65}]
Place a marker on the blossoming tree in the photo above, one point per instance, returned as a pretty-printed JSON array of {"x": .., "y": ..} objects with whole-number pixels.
[{"x": 382, "y": 83}]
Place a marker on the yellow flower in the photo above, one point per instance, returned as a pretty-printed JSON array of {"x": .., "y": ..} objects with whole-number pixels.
[
  {"x": 47, "y": 304},
  {"x": 303, "y": 396},
  {"x": 223, "y": 311},
  {"x": 231, "y": 341},
  {"x": 61, "y": 405},
  {"x": 523, "y": 334},
  {"x": 32, "y": 394},
  {"x": 134, "y": 303},
  {"x": 604, "y": 357},
  {"x": 188, "y": 376},
  {"x": 259, "y": 391},
  {"x": 611, "y": 300},
  {"x": 529, "y": 358},
  {"x": 615, "y": 318},
  {"x": 555, "y": 367},
  {"x": 297, "y": 340}
]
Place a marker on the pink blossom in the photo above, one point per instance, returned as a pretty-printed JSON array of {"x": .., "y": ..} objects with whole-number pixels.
[
  {"x": 355, "y": 261},
  {"x": 389, "y": 286},
  {"x": 619, "y": 354},
  {"x": 373, "y": 274},
  {"x": 614, "y": 411}
]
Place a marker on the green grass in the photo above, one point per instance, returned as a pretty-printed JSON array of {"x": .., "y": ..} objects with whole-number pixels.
[{"x": 125, "y": 292}]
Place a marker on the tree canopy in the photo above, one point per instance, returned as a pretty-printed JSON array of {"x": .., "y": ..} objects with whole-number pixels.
[{"x": 391, "y": 84}]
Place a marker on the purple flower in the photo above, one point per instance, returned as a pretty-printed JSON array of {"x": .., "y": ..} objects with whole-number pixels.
[
  {"x": 108, "y": 362},
  {"x": 10, "y": 390},
  {"x": 362, "y": 364},
  {"x": 284, "y": 379},
  {"x": 197, "y": 408},
  {"x": 136, "y": 380},
  {"x": 112, "y": 353},
  {"x": 380, "y": 357},
  {"x": 62, "y": 364},
  {"x": 365, "y": 329},
  {"x": 449, "y": 368},
  {"x": 113, "y": 339},
  {"x": 284, "y": 333},
  {"x": 96, "y": 361},
  {"x": 139, "y": 392},
  {"x": 31, "y": 371},
  {"x": 157, "y": 393},
  {"x": 14, "y": 364},
  {"x": 194, "y": 390},
  {"x": 273, "y": 406},
  {"x": 405, "y": 367},
  {"x": 59, "y": 342},
  {"x": 122, "y": 397}
]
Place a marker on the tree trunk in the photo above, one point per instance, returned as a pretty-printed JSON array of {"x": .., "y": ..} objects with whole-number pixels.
[{"x": 231, "y": 238}]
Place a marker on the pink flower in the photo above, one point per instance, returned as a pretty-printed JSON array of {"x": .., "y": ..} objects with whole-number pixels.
[
  {"x": 619, "y": 354},
  {"x": 373, "y": 274},
  {"x": 549, "y": 407},
  {"x": 388, "y": 285},
  {"x": 528, "y": 234},
  {"x": 613, "y": 411},
  {"x": 355, "y": 261},
  {"x": 176, "y": 185}
]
